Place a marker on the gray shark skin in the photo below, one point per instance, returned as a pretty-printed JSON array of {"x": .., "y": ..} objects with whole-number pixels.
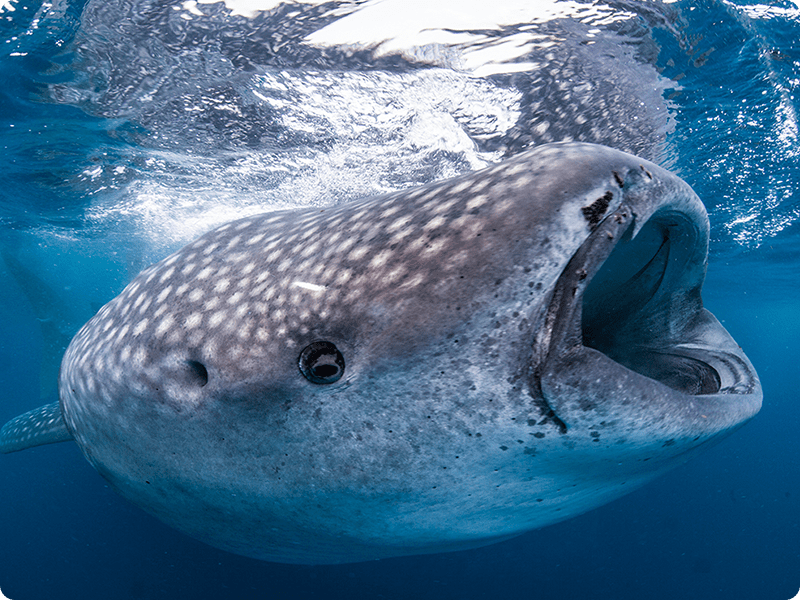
[{"x": 431, "y": 370}]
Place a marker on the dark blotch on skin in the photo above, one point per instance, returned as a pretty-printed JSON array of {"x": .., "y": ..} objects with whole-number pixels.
[{"x": 597, "y": 209}]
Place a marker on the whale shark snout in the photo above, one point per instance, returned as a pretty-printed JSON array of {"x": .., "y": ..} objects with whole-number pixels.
[{"x": 430, "y": 370}]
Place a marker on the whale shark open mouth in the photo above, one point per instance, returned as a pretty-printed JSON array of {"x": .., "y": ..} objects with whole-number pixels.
[
  {"x": 628, "y": 303},
  {"x": 639, "y": 307}
]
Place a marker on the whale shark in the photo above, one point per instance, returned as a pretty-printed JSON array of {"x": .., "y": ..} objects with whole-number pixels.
[{"x": 430, "y": 370}]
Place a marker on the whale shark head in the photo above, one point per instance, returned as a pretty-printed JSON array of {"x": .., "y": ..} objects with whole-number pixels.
[{"x": 430, "y": 370}]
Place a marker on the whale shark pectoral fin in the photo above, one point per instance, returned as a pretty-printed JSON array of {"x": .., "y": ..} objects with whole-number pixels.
[{"x": 44, "y": 425}]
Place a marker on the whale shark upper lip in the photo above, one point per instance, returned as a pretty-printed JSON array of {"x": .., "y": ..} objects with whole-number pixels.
[{"x": 627, "y": 306}]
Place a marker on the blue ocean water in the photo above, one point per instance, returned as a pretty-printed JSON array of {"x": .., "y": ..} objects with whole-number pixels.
[{"x": 128, "y": 128}]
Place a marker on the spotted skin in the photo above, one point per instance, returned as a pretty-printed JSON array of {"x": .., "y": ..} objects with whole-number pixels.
[{"x": 470, "y": 408}]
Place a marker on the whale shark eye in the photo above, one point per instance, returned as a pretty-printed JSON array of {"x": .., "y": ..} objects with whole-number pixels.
[{"x": 321, "y": 362}]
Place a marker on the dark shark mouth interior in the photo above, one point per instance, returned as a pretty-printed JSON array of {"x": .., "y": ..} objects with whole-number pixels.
[{"x": 644, "y": 300}]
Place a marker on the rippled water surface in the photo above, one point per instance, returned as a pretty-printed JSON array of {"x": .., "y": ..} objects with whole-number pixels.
[{"x": 129, "y": 127}]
